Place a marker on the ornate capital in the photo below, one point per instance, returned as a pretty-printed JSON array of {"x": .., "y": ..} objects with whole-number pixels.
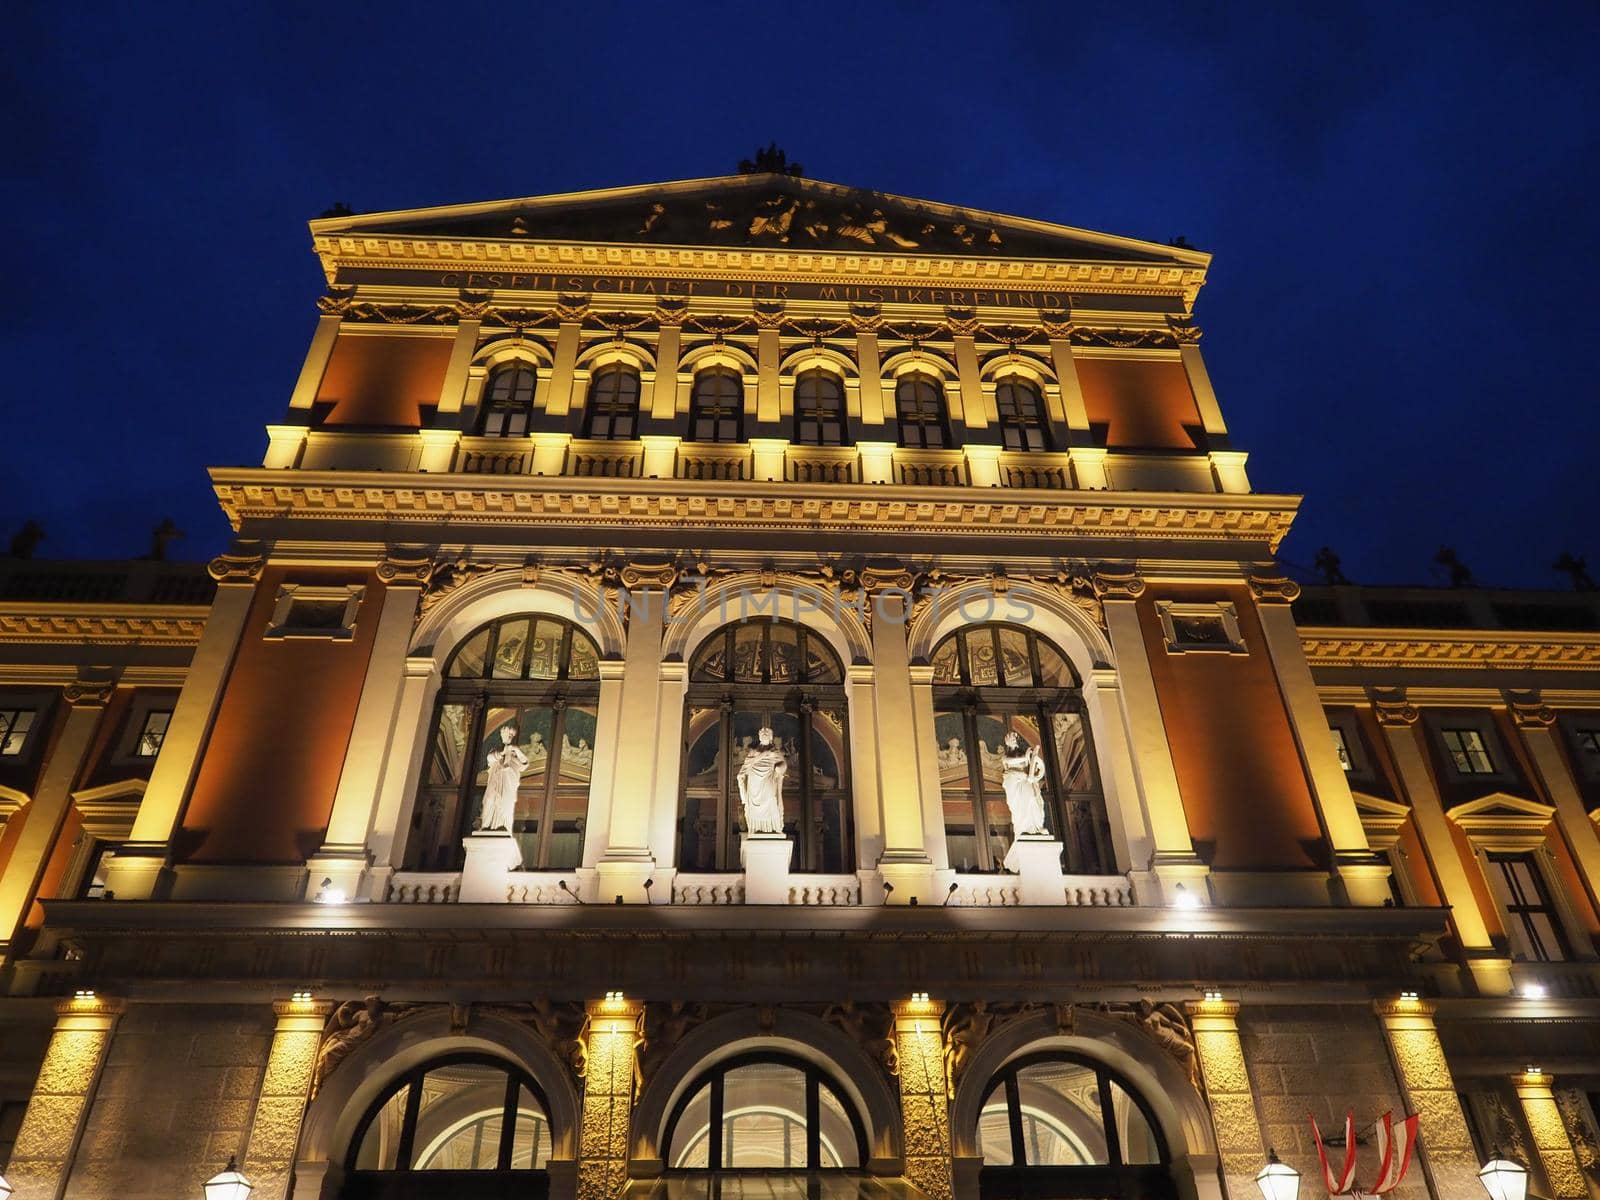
[
  {"x": 572, "y": 307},
  {"x": 89, "y": 693},
  {"x": 648, "y": 575},
  {"x": 473, "y": 308},
  {"x": 670, "y": 311},
  {"x": 337, "y": 302},
  {"x": 963, "y": 322},
  {"x": 1273, "y": 589},
  {"x": 400, "y": 568},
  {"x": 242, "y": 564},
  {"x": 90, "y": 1005},
  {"x": 1058, "y": 324},
  {"x": 1184, "y": 330},
  {"x": 1395, "y": 711},
  {"x": 1117, "y": 585},
  {"x": 769, "y": 314},
  {"x": 867, "y": 318},
  {"x": 1530, "y": 712}
]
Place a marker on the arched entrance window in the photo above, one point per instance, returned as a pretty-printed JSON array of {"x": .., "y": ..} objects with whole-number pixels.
[
  {"x": 466, "y": 1125},
  {"x": 919, "y": 408},
  {"x": 508, "y": 401},
  {"x": 613, "y": 403},
  {"x": 716, "y": 406},
  {"x": 1059, "y": 1127},
  {"x": 539, "y": 678},
  {"x": 1022, "y": 417},
  {"x": 818, "y": 409},
  {"x": 755, "y": 674},
  {"x": 765, "y": 1112},
  {"x": 991, "y": 680}
]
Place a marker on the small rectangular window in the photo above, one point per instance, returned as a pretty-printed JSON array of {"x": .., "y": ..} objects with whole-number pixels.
[
  {"x": 1467, "y": 752},
  {"x": 312, "y": 612},
  {"x": 152, "y": 733},
  {"x": 14, "y": 726},
  {"x": 1340, "y": 748},
  {"x": 1588, "y": 746}
]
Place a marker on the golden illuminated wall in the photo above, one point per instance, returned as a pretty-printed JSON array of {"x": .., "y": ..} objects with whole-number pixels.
[
  {"x": 924, "y": 1097},
  {"x": 608, "y": 1094},
  {"x": 49, "y": 1133}
]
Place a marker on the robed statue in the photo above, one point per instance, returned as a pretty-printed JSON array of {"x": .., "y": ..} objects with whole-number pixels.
[
  {"x": 1022, "y": 776},
  {"x": 506, "y": 765},
  {"x": 761, "y": 785}
]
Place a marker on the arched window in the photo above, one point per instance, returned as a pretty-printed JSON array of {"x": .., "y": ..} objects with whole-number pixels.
[
  {"x": 765, "y": 1112},
  {"x": 919, "y": 406},
  {"x": 766, "y": 674},
  {"x": 716, "y": 406},
  {"x": 1022, "y": 419},
  {"x": 1060, "y": 1126},
  {"x": 537, "y": 678},
  {"x": 613, "y": 403},
  {"x": 818, "y": 409},
  {"x": 992, "y": 680},
  {"x": 508, "y": 401},
  {"x": 454, "y": 1115}
]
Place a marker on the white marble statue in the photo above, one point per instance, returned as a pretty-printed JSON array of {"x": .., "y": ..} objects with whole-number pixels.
[
  {"x": 761, "y": 785},
  {"x": 1022, "y": 772},
  {"x": 506, "y": 766}
]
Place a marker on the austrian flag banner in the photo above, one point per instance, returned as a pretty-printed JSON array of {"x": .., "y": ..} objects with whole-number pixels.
[
  {"x": 1340, "y": 1184},
  {"x": 1395, "y": 1148}
]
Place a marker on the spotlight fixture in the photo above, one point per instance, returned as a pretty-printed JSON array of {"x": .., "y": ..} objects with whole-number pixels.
[
  {"x": 327, "y": 893},
  {"x": 83, "y": 994},
  {"x": 1409, "y": 997},
  {"x": 1213, "y": 997},
  {"x": 1182, "y": 897},
  {"x": 301, "y": 997},
  {"x": 1533, "y": 991}
]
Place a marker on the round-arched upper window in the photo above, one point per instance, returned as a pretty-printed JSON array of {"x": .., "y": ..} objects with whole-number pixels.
[
  {"x": 466, "y": 1112},
  {"x": 526, "y": 647}
]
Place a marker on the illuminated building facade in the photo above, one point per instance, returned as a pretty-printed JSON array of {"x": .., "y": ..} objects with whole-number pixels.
[{"x": 592, "y": 767}]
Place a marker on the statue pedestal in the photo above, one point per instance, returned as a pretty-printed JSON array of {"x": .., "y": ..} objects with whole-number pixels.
[
  {"x": 1036, "y": 858},
  {"x": 490, "y": 857},
  {"x": 765, "y": 858}
]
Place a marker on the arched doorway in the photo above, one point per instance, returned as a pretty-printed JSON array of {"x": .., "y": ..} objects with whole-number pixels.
[
  {"x": 765, "y": 1111},
  {"x": 464, "y": 1125},
  {"x": 1060, "y": 1126}
]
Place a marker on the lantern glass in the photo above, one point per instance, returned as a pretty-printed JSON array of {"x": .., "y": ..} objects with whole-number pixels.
[
  {"x": 1278, "y": 1180},
  {"x": 229, "y": 1184},
  {"x": 1504, "y": 1179},
  {"x": 5, "y": 1187}
]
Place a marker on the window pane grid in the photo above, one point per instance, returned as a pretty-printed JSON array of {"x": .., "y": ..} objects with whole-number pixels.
[
  {"x": 1467, "y": 752},
  {"x": 1022, "y": 424},
  {"x": 614, "y": 404},
  {"x": 716, "y": 407},
  {"x": 508, "y": 407},
  {"x": 1529, "y": 907},
  {"x": 152, "y": 733},
  {"x": 921, "y": 414},
  {"x": 14, "y": 726},
  {"x": 819, "y": 410}
]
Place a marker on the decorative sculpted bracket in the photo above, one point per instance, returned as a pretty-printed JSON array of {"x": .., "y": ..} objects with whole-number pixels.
[
  {"x": 1394, "y": 711},
  {"x": 401, "y": 568},
  {"x": 242, "y": 563},
  {"x": 1530, "y": 712},
  {"x": 1273, "y": 589}
]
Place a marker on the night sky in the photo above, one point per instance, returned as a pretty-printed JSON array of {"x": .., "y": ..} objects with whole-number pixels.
[{"x": 1400, "y": 319}]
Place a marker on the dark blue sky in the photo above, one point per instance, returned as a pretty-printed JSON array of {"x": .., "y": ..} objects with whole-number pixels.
[{"x": 1400, "y": 320}]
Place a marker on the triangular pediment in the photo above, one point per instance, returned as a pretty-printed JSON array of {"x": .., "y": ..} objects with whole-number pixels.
[
  {"x": 1503, "y": 822},
  {"x": 761, "y": 210}
]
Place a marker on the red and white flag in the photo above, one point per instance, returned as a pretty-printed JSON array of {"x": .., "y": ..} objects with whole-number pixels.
[
  {"x": 1394, "y": 1152},
  {"x": 1340, "y": 1184}
]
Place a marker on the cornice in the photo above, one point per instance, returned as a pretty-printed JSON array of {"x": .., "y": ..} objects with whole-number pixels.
[
  {"x": 559, "y": 501},
  {"x": 102, "y": 624},
  {"x": 379, "y": 251},
  {"x": 1468, "y": 649}
]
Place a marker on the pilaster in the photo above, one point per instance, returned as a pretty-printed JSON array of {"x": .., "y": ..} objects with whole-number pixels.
[
  {"x": 1446, "y": 1150},
  {"x": 134, "y": 872},
  {"x": 558, "y": 391},
  {"x": 1537, "y": 724},
  {"x": 1536, "y": 1094},
  {"x": 284, "y": 443},
  {"x": 610, "y": 1038},
  {"x": 374, "y": 733},
  {"x": 56, "y": 1111},
  {"x": 316, "y": 363},
  {"x": 1073, "y": 409},
  {"x": 1362, "y": 876},
  {"x": 868, "y": 364},
  {"x": 1491, "y": 971},
  {"x": 285, "y": 1088},
  {"x": 924, "y": 1096},
  {"x": 1228, "y": 1090},
  {"x": 419, "y": 679},
  {"x": 1194, "y": 366},
  {"x": 905, "y": 866},
  {"x": 47, "y": 813},
  {"x": 628, "y": 862},
  {"x": 453, "y": 391},
  {"x": 768, "y": 406},
  {"x": 662, "y": 402},
  {"x": 974, "y": 410}
]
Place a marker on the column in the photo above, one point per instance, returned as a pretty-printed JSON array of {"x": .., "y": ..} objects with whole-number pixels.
[
  {"x": 1535, "y": 1092},
  {"x": 1362, "y": 875},
  {"x": 397, "y": 787},
  {"x": 867, "y": 363},
  {"x": 47, "y": 812},
  {"x": 285, "y": 1087},
  {"x": 453, "y": 392},
  {"x": 558, "y": 391},
  {"x": 1073, "y": 409},
  {"x": 662, "y": 402},
  {"x": 924, "y": 1096},
  {"x": 671, "y": 683},
  {"x": 135, "y": 870},
  {"x": 344, "y": 857},
  {"x": 924, "y": 745},
  {"x": 1130, "y": 837},
  {"x": 1446, "y": 1151},
  {"x": 905, "y": 865},
  {"x": 974, "y": 411},
  {"x": 610, "y": 1037},
  {"x": 1174, "y": 861},
  {"x": 768, "y": 406},
  {"x": 1228, "y": 1091},
  {"x": 1537, "y": 723},
  {"x": 628, "y": 862},
  {"x": 1205, "y": 396},
  {"x": 54, "y": 1120},
  {"x": 1491, "y": 971},
  {"x": 316, "y": 364}
]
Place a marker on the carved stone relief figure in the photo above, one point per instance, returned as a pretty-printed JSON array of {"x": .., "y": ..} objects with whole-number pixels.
[
  {"x": 871, "y": 1026},
  {"x": 352, "y": 1023}
]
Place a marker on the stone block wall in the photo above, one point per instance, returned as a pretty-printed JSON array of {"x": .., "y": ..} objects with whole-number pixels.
[
  {"x": 1322, "y": 1060},
  {"x": 174, "y": 1100}
]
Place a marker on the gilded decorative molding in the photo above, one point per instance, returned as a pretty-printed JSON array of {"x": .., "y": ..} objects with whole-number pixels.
[
  {"x": 1058, "y": 325},
  {"x": 111, "y": 625},
  {"x": 572, "y": 307},
  {"x": 1273, "y": 589},
  {"x": 241, "y": 564},
  {"x": 962, "y": 322},
  {"x": 246, "y": 494},
  {"x": 1183, "y": 329},
  {"x": 400, "y": 568},
  {"x": 1117, "y": 585},
  {"x": 1123, "y": 339},
  {"x": 89, "y": 693},
  {"x": 769, "y": 314},
  {"x": 1530, "y": 712},
  {"x": 1395, "y": 713},
  {"x": 1464, "y": 650},
  {"x": 446, "y": 578},
  {"x": 866, "y": 318}
]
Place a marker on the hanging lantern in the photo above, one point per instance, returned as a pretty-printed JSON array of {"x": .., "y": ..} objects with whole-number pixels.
[
  {"x": 5, "y": 1187},
  {"x": 229, "y": 1185},
  {"x": 1504, "y": 1179},
  {"x": 1278, "y": 1180}
]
